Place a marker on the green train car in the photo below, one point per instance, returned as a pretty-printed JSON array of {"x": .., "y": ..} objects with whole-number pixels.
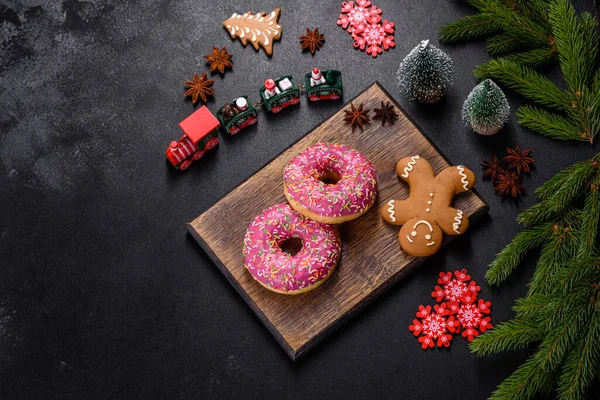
[
  {"x": 233, "y": 119},
  {"x": 287, "y": 93},
  {"x": 330, "y": 90}
]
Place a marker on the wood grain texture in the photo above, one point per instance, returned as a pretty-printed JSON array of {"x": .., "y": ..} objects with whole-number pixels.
[{"x": 371, "y": 260}]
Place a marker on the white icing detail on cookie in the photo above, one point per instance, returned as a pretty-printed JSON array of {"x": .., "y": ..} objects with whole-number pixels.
[
  {"x": 429, "y": 202},
  {"x": 391, "y": 210},
  {"x": 425, "y": 223},
  {"x": 428, "y": 209},
  {"x": 428, "y": 237},
  {"x": 430, "y": 244},
  {"x": 409, "y": 166},
  {"x": 413, "y": 233},
  {"x": 458, "y": 219},
  {"x": 463, "y": 177},
  {"x": 409, "y": 239},
  {"x": 430, "y": 194}
]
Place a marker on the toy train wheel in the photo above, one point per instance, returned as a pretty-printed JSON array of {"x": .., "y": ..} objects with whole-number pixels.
[
  {"x": 314, "y": 98},
  {"x": 234, "y": 130},
  {"x": 197, "y": 155},
  {"x": 295, "y": 100},
  {"x": 212, "y": 143},
  {"x": 275, "y": 109},
  {"x": 334, "y": 96},
  {"x": 185, "y": 165},
  {"x": 252, "y": 121}
]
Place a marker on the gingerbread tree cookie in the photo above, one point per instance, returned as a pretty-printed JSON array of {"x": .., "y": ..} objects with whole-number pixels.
[
  {"x": 259, "y": 29},
  {"x": 427, "y": 213}
]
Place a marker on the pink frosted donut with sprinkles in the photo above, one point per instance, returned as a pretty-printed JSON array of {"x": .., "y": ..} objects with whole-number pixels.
[
  {"x": 280, "y": 271},
  {"x": 351, "y": 190}
]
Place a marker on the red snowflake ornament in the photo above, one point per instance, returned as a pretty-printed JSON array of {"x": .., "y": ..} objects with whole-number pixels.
[
  {"x": 472, "y": 320},
  {"x": 468, "y": 315},
  {"x": 363, "y": 22},
  {"x": 459, "y": 310},
  {"x": 432, "y": 328}
]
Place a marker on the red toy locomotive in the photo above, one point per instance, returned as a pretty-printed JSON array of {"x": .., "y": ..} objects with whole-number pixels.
[{"x": 199, "y": 135}]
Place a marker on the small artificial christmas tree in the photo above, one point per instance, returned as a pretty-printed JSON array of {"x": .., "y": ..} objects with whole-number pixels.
[
  {"x": 426, "y": 73},
  {"x": 486, "y": 109}
]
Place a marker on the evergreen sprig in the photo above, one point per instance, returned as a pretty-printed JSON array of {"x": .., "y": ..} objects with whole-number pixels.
[
  {"x": 510, "y": 26},
  {"x": 533, "y": 33},
  {"x": 561, "y": 311}
]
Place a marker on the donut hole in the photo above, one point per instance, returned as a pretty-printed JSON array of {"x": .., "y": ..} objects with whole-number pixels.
[
  {"x": 330, "y": 177},
  {"x": 292, "y": 246}
]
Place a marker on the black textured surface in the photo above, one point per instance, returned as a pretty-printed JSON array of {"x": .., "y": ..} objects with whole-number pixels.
[{"x": 102, "y": 292}]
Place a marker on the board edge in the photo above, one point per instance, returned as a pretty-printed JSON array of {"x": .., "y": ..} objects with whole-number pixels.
[{"x": 257, "y": 311}]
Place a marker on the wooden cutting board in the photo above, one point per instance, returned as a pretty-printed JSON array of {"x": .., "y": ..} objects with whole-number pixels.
[{"x": 372, "y": 260}]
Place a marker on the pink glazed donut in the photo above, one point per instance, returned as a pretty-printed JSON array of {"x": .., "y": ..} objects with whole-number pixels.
[
  {"x": 279, "y": 271},
  {"x": 351, "y": 194}
]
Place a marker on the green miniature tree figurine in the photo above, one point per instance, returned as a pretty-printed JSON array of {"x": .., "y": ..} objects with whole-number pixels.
[
  {"x": 486, "y": 109},
  {"x": 426, "y": 73}
]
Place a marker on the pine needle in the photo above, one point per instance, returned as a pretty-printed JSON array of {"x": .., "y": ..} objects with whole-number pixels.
[
  {"x": 548, "y": 208},
  {"x": 534, "y": 376},
  {"x": 525, "y": 81},
  {"x": 581, "y": 363},
  {"x": 533, "y": 58},
  {"x": 502, "y": 43},
  {"x": 510, "y": 257},
  {"x": 468, "y": 28},
  {"x": 508, "y": 335},
  {"x": 588, "y": 231},
  {"x": 533, "y": 307},
  {"x": 555, "y": 253},
  {"x": 548, "y": 124}
]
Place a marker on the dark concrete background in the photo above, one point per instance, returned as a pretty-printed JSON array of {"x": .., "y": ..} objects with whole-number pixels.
[{"x": 103, "y": 294}]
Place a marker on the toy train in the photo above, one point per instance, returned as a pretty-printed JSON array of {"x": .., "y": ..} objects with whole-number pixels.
[{"x": 200, "y": 129}]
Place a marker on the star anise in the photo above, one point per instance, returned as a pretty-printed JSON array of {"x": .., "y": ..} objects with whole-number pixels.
[
  {"x": 492, "y": 168},
  {"x": 199, "y": 87},
  {"x": 386, "y": 113},
  {"x": 357, "y": 116},
  {"x": 219, "y": 60},
  {"x": 313, "y": 40},
  {"x": 509, "y": 184},
  {"x": 517, "y": 160}
]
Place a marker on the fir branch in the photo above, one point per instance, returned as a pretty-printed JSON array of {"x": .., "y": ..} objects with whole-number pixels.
[
  {"x": 469, "y": 27},
  {"x": 564, "y": 305},
  {"x": 525, "y": 382},
  {"x": 534, "y": 376},
  {"x": 533, "y": 58},
  {"x": 513, "y": 334},
  {"x": 555, "y": 253},
  {"x": 589, "y": 26},
  {"x": 533, "y": 307},
  {"x": 525, "y": 81},
  {"x": 581, "y": 363},
  {"x": 572, "y": 38},
  {"x": 510, "y": 257},
  {"x": 573, "y": 187},
  {"x": 551, "y": 187},
  {"x": 578, "y": 272},
  {"x": 502, "y": 43},
  {"x": 588, "y": 230},
  {"x": 548, "y": 124},
  {"x": 515, "y": 22}
]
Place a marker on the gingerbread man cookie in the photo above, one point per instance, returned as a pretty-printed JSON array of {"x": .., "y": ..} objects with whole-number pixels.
[{"x": 426, "y": 214}]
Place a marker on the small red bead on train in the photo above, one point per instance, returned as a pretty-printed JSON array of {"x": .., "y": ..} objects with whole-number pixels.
[{"x": 200, "y": 128}]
